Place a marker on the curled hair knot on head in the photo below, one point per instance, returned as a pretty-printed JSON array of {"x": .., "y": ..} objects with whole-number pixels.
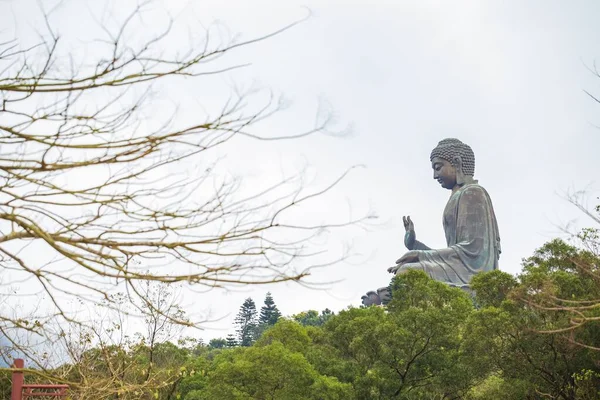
[{"x": 449, "y": 149}]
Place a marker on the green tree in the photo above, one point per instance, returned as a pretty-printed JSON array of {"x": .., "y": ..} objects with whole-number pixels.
[
  {"x": 563, "y": 280},
  {"x": 5, "y": 384},
  {"x": 270, "y": 372},
  {"x": 247, "y": 323},
  {"x": 217, "y": 343},
  {"x": 494, "y": 387},
  {"x": 411, "y": 350},
  {"x": 195, "y": 375},
  {"x": 313, "y": 318},
  {"x": 231, "y": 340},
  {"x": 291, "y": 334},
  {"x": 269, "y": 313},
  {"x": 503, "y": 337}
]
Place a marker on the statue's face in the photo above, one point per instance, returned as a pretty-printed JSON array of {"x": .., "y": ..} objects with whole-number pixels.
[{"x": 444, "y": 173}]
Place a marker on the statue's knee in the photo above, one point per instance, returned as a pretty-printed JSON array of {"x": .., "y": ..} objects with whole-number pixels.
[{"x": 408, "y": 267}]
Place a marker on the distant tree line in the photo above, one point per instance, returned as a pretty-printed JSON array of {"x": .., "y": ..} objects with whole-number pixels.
[{"x": 250, "y": 324}]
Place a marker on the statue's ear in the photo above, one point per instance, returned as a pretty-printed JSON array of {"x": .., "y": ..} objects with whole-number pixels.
[
  {"x": 457, "y": 163},
  {"x": 460, "y": 177}
]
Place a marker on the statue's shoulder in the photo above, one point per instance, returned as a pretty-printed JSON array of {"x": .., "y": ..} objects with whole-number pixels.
[{"x": 475, "y": 189}]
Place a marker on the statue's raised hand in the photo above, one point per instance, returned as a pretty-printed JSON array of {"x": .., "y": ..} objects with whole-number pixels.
[{"x": 410, "y": 236}]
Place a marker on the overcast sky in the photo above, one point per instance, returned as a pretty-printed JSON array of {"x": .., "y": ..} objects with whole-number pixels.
[{"x": 507, "y": 78}]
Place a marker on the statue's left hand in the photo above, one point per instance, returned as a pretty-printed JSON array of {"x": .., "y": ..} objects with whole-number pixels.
[{"x": 410, "y": 257}]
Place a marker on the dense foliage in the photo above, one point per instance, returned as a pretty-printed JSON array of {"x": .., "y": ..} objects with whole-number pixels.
[{"x": 527, "y": 337}]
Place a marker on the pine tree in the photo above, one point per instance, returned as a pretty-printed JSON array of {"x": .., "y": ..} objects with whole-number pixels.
[
  {"x": 269, "y": 314},
  {"x": 246, "y": 323},
  {"x": 217, "y": 343},
  {"x": 231, "y": 340}
]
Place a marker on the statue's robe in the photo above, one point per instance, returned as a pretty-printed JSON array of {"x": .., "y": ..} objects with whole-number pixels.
[{"x": 472, "y": 238}]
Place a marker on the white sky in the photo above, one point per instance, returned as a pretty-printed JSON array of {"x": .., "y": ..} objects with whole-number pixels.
[{"x": 505, "y": 77}]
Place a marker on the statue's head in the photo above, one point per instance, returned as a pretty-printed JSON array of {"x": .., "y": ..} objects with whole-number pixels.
[{"x": 453, "y": 163}]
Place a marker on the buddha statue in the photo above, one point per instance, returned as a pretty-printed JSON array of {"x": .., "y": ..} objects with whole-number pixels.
[{"x": 472, "y": 237}]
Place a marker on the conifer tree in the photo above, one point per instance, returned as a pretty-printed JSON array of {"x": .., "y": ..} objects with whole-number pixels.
[
  {"x": 231, "y": 340},
  {"x": 217, "y": 343},
  {"x": 269, "y": 313},
  {"x": 247, "y": 323}
]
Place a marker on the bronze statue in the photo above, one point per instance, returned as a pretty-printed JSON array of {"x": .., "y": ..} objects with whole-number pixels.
[{"x": 472, "y": 238}]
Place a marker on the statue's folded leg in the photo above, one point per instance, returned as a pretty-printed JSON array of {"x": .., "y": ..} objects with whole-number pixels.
[
  {"x": 408, "y": 266},
  {"x": 435, "y": 274},
  {"x": 384, "y": 294},
  {"x": 371, "y": 298},
  {"x": 380, "y": 297}
]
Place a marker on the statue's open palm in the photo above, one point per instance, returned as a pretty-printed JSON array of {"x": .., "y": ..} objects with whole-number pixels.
[{"x": 410, "y": 236}]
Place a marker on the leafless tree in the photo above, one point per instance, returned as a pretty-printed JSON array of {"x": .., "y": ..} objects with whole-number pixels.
[
  {"x": 95, "y": 196},
  {"x": 104, "y": 361}
]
